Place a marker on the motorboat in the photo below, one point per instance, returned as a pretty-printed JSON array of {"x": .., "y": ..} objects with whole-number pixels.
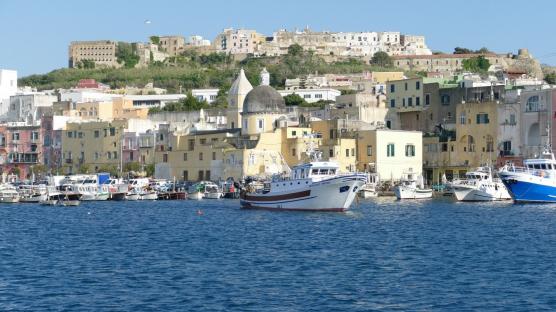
[
  {"x": 312, "y": 186},
  {"x": 535, "y": 181},
  {"x": 196, "y": 191},
  {"x": 8, "y": 194},
  {"x": 411, "y": 188},
  {"x": 479, "y": 185},
  {"x": 212, "y": 191},
  {"x": 369, "y": 189},
  {"x": 148, "y": 194},
  {"x": 32, "y": 193}
]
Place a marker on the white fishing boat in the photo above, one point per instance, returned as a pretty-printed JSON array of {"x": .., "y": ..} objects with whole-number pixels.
[
  {"x": 212, "y": 191},
  {"x": 313, "y": 186},
  {"x": 148, "y": 195},
  {"x": 32, "y": 193},
  {"x": 8, "y": 194},
  {"x": 412, "y": 188},
  {"x": 369, "y": 189},
  {"x": 196, "y": 191},
  {"x": 479, "y": 185},
  {"x": 133, "y": 195}
]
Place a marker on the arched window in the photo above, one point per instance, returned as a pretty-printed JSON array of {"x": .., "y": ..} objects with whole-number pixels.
[
  {"x": 532, "y": 104},
  {"x": 462, "y": 118}
]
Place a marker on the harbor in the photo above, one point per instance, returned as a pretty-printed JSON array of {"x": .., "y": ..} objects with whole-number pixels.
[{"x": 382, "y": 254}]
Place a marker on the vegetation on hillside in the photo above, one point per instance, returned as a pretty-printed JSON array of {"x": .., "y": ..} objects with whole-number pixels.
[
  {"x": 193, "y": 70},
  {"x": 460, "y": 50},
  {"x": 478, "y": 64}
]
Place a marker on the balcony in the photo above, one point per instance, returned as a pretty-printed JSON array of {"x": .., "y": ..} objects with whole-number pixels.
[{"x": 23, "y": 158}]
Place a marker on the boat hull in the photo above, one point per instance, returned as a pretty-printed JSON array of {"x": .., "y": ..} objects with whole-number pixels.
[
  {"x": 195, "y": 195},
  {"x": 531, "y": 189},
  {"x": 215, "y": 195},
  {"x": 402, "y": 192},
  {"x": 483, "y": 194},
  {"x": 9, "y": 200},
  {"x": 149, "y": 196},
  {"x": 336, "y": 194}
]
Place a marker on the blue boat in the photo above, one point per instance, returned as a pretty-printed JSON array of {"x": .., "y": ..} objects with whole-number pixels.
[{"x": 535, "y": 182}]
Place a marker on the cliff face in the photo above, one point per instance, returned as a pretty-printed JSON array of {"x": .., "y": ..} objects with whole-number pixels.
[{"x": 523, "y": 61}]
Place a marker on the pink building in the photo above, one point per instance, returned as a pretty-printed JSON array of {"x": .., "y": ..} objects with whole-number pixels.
[{"x": 21, "y": 147}]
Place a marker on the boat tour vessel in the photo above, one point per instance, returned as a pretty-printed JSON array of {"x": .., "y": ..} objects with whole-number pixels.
[
  {"x": 411, "y": 188},
  {"x": 313, "y": 186},
  {"x": 8, "y": 194},
  {"x": 535, "y": 181},
  {"x": 479, "y": 185}
]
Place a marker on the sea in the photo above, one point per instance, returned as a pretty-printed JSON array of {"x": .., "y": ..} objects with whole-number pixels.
[{"x": 210, "y": 255}]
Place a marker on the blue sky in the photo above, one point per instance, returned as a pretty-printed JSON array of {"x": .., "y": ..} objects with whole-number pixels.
[{"x": 35, "y": 34}]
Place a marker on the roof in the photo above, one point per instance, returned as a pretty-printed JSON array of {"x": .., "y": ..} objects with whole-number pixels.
[
  {"x": 264, "y": 99},
  {"x": 441, "y": 56},
  {"x": 241, "y": 85}
]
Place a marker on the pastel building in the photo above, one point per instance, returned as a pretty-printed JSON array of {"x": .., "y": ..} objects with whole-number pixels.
[{"x": 8, "y": 87}]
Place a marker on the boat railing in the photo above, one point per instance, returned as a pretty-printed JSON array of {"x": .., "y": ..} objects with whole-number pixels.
[{"x": 544, "y": 173}]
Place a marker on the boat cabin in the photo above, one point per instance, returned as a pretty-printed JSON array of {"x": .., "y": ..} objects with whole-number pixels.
[{"x": 313, "y": 170}]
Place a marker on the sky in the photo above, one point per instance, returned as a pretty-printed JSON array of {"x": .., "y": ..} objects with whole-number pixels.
[{"x": 35, "y": 35}]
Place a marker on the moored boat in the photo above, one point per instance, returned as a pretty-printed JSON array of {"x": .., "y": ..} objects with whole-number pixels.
[
  {"x": 410, "y": 189},
  {"x": 8, "y": 194},
  {"x": 314, "y": 186},
  {"x": 479, "y": 185},
  {"x": 535, "y": 182}
]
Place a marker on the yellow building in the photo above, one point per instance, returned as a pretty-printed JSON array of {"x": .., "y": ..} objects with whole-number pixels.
[
  {"x": 95, "y": 144},
  {"x": 470, "y": 146},
  {"x": 390, "y": 153},
  {"x": 118, "y": 108},
  {"x": 384, "y": 77}
]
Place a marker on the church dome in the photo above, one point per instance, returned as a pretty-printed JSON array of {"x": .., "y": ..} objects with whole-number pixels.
[{"x": 263, "y": 99}]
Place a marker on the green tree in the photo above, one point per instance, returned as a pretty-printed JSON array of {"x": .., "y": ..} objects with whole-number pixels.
[
  {"x": 125, "y": 54},
  {"x": 295, "y": 50},
  {"x": 382, "y": 59},
  {"x": 460, "y": 50},
  {"x": 84, "y": 168},
  {"x": 294, "y": 100},
  {"x": 550, "y": 78},
  {"x": 112, "y": 169},
  {"x": 478, "y": 64},
  {"x": 132, "y": 166},
  {"x": 149, "y": 169},
  {"x": 155, "y": 39}
]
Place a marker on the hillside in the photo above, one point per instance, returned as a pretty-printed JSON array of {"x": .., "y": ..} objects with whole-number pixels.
[{"x": 191, "y": 71}]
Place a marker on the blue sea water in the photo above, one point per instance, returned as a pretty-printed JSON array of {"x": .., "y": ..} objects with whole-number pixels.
[{"x": 432, "y": 255}]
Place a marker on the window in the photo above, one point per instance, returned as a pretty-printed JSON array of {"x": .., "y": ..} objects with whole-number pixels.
[
  {"x": 392, "y": 88},
  {"x": 80, "y": 135},
  {"x": 97, "y": 133},
  {"x": 70, "y": 135},
  {"x": 388, "y": 124},
  {"x": 512, "y": 119},
  {"x": 347, "y": 152},
  {"x": 507, "y": 147},
  {"x": 427, "y": 99},
  {"x": 444, "y": 147},
  {"x": 165, "y": 158},
  {"x": 390, "y": 152},
  {"x": 203, "y": 141},
  {"x": 392, "y": 103},
  {"x": 403, "y": 102},
  {"x": 293, "y": 151},
  {"x": 409, "y": 101},
  {"x": 185, "y": 175},
  {"x": 406, "y": 86},
  {"x": 184, "y": 156},
  {"x": 260, "y": 124},
  {"x": 410, "y": 150},
  {"x": 445, "y": 99},
  {"x": 353, "y": 152},
  {"x": 112, "y": 131},
  {"x": 533, "y": 104},
  {"x": 482, "y": 118},
  {"x": 417, "y": 85},
  {"x": 462, "y": 118},
  {"x": 417, "y": 101},
  {"x": 191, "y": 144},
  {"x": 201, "y": 156},
  {"x": 34, "y": 135},
  {"x": 369, "y": 150},
  {"x": 213, "y": 155},
  {"x": 294, "y": 133},
  {"x": 115, "y": 155},
  {"x": 489, "y": 144},
  {"x": 306, "y": 96}
]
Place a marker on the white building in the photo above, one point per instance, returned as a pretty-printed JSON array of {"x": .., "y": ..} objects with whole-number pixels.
[
  {"x": 238, "y": 41},
  {"x": 154, "y": 100},
  {"x": 29, "y": 107},
  {"x": 208, "y": 95},
  {"x": 8, "y": 87},
  {"x": 314, "y": 95},
  {"x": 83, "y": 95},
  {"x": 198, "y": 41}
]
